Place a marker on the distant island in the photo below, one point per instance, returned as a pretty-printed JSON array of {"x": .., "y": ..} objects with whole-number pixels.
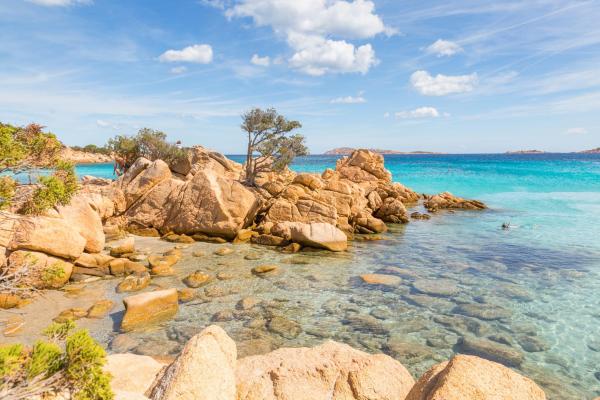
[
  {"x": 592, "y": 151},
  {"x": 526, "y": 152},
  {"x": 344, "y": 151}
]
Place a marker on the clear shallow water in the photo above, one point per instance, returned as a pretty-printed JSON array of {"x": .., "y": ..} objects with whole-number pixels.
[{"x": 543, "y": 275}]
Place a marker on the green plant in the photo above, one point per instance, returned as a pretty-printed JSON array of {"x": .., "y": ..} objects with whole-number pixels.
[
  {"x": 25, "y": 148},
  {"x": 148, "y": 143},
  {"x": 69, "y": 362},
  {"x": 7, "y": 191},
  {"x": 55, "y": 189},
  {"x": 267, "y": 134}
]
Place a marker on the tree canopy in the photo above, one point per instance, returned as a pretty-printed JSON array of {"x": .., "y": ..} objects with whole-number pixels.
[
  {"x": 270, "y": 145},
  {"x": 148, "y": 143},
  {"x": 25, "y": 148},
  {"x": 29, "y": 148}
]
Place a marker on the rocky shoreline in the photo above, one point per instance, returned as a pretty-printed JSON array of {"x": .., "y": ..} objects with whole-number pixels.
[
  {"x": 202, "y": 200},
  {"x": 208, "y": 368}
]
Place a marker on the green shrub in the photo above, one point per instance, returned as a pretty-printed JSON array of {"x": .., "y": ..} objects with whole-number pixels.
[
  {"x": 56, "y": 189},
  {"x": 12, "y": 359},
  {"x": 148, "y": 143},
  {"x": 7, "y": 191},
  {"x": 70, "y": 362},
  {"x": 45, "y": 360},
  {"x": 29, "y": 147}
]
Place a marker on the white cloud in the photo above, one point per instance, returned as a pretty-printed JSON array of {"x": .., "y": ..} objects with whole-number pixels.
[
  {"x": 317, "y": 56},
  {"x": 317, "y": 31},
  {"x": 386, "y": 115},
  {"x": 59, "y": 3},
  {"x": 178, "y": 70},
  {"x": 441, "y": 85},
  {"x": 260, "y": 61},
  {"x": 198, "y": 53},
  {"x": 348, "y": 100},
  {"x": 577, "y": 131},
  {"x": 419, "y": 113},
  {"x": 443, "y": 48}
]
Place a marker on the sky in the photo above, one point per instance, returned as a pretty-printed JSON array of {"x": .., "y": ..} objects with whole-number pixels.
[{"x": 470, "y": 76}]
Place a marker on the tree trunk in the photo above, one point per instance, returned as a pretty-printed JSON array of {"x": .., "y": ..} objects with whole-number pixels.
[{"x": 249, "y": 163}]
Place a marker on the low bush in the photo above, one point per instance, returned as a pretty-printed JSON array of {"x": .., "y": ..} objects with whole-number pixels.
[
  {"x": 55, "y": 189},
  {"x": 69, "y": 361}
]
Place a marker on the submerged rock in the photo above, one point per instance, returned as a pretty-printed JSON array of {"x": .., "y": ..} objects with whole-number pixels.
[
  {"x": 381, "y": 279},
  {"x": 436, "y": 287},
  {"x": 100, "y": 309},
  {"x": 487, "y": 312},
  {"x": 134, "y": 283},
  {"x": 196, "y": 279},
  {"x": 491, "y": 351},
  {"x": 468, "y": 377},
  {"x": 284, "y": 327}
]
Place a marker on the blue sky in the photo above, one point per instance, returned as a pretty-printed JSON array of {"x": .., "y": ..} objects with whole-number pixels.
[{"x": 449, "y": 76}]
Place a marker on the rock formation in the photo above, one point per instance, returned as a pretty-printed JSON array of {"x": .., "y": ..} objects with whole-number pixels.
[
  {"x": 469, "y": 377},
  {"x": 208, "y": 369}
]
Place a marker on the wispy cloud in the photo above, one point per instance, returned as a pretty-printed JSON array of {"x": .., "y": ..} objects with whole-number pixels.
[
  {"x": 59, "y": 3},
  {"x": 577, "y": 131},
  {"x": 198, "y": 53},
  {"x": 348, "y": 100},
  {"x": 420, "y": 113}
]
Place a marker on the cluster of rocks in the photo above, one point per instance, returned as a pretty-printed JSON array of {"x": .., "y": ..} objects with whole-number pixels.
[
  {"x": 202, "y": 198},
  {"x": 208, "y": 368}
]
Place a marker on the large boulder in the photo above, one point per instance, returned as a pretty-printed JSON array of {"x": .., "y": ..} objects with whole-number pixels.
[
  {"x": 213, "y": 204},
  {"x": 363, "y": 166},
  {"x": 199, "y": 158},
  {"x": 85, "y": 220},
  {"x": 144, "y": 309},
  {"x": 131, "y": 374},
  {"x": 205, "y": 370},
  {"x": 209, "y": 202},
  {"x": 470, "y": 377},
  {"x": 319, "y": 235},
  {"x": 54, "y": 236},
  {"x": 141, "y": 177},
  {"x": 331, "y": 371}
]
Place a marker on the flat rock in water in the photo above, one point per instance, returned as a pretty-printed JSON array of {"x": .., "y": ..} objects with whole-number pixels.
[
  {"x": 487, "y": 312},
  {"x": 491, "y": 351},
  {"x": 284, "y": 327},
  {"x": 381, "y": 279},
  {"x": 265, "y": 269},
  {"x": 196, "y": 279},
  {"x": 436, "y": 287},
  {"x": 100, "y": 309},
  {"x": 149, "y": 308}
]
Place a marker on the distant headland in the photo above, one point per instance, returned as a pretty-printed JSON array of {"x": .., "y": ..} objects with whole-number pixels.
[
  {"x": 526, "y": 152},
  {"x": 344, "y": 151},
  {"x": 591, "y": 151}
]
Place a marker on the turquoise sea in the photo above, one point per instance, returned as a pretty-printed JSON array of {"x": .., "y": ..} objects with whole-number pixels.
[{"x": 533, "y": 290}]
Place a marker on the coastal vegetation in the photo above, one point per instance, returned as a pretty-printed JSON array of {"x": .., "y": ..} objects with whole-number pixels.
[
  {"x": 270, "y": 146},
  {"x": 148, "y": 143},
  {"x": 28, "y": 149},
  {"x": 69, "y": 362}
]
